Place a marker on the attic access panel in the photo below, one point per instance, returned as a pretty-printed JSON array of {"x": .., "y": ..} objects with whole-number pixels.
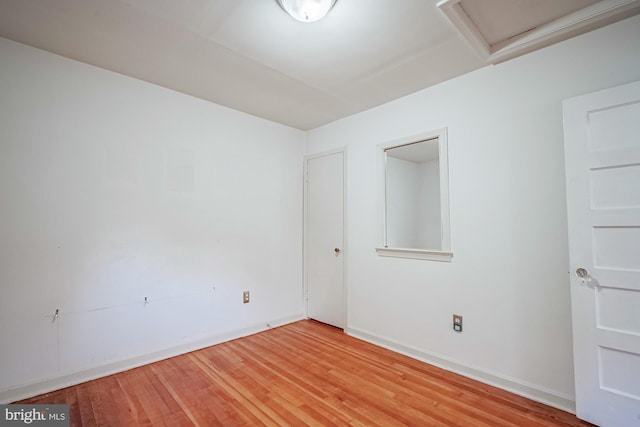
[{"x": 499, "y": 30}]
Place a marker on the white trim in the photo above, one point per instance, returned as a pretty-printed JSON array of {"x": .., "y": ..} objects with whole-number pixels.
[
  {"x": 581, "y": 21},
  {"x": 415, "y": 254},
  {"x": 445, "y": 219},
  {"x": 465, "y": 26},
  {"x": 45, "y": 385},
  {"x": 513, "y": 385},
  {"x": 445, "y": 252},
  {"x": 345, "y": 246}
]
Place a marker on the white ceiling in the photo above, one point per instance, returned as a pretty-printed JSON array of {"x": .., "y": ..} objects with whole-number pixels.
[
  {"x": 251, "y": 56},
  {"x": 416, "y": 152}
]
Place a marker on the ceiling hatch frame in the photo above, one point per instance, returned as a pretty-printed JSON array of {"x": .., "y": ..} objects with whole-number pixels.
[{"x": 581, "y": 21}]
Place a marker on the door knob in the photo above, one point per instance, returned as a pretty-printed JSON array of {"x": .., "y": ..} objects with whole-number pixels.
[
  {"x": 586, "y": 278},
  {"x": 336, "y": 250}
]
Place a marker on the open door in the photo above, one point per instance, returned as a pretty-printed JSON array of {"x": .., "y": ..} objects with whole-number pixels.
[{"x": 602, "y": 147}]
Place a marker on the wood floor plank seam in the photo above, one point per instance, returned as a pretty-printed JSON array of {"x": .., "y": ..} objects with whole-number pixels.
[
  {"x": 320, "y": 396},
  {"x": 301, "y": 374},
  {"x": 378, "y": 368},
  {"x": 240, "y": 393}
]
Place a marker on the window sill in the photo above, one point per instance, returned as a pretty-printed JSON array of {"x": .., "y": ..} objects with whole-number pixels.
[{"x": 429, "y": 255}]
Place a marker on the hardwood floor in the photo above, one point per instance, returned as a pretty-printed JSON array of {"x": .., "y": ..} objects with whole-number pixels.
[{"x": 305, "y": 373}]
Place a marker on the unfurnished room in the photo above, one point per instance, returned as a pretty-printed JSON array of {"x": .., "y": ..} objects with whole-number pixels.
[{"x": 320, "y": 212}]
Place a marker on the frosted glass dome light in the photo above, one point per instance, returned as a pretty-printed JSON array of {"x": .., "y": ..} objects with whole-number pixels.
[{"x": 307, "y": 10}]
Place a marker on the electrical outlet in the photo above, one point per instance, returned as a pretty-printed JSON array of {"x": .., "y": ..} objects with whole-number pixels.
[
  {"x": 457, "y": 323},
  {"x": 245, "y": 297}
]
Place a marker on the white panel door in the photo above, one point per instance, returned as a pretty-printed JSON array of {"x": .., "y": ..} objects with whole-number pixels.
[
  {"x": 324, "y": 239},
  {"x": 602, "y": 147}
]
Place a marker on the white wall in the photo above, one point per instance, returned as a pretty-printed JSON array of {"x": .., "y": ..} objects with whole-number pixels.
[
  {"x": 509, "y": 274},
  {"x": 113, "y": 190},
  {"x": 429, "y": 225},
  {"x": 402, "y": 203},
  {"x": 413, "y": 204}
]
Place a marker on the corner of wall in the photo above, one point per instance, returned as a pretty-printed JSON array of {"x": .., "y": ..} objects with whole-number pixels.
[{"x": 521, "y": 388}]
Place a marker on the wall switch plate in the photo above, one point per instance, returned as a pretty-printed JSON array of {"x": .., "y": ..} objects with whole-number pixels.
[
  {"x": 457, "y": 323},
  {"x": 245, "y": 297}
]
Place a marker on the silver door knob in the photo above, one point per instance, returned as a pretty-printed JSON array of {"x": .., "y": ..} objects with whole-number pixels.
[{"x": 582, "y": 273}]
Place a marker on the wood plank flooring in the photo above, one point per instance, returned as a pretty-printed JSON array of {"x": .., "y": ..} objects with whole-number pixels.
[{"x": 305, "y": 373}]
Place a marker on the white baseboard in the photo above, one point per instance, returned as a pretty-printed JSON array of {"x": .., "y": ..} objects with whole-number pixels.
[
  {"x": 530, "y": 391},
  {"x": 46, "y": 385}
]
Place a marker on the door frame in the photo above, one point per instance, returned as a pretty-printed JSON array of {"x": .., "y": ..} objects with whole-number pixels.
[{"x": 305, "y": 286}]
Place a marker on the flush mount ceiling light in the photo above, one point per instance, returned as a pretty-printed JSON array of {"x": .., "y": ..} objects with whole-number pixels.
[{"x": 307, "y": 10}]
